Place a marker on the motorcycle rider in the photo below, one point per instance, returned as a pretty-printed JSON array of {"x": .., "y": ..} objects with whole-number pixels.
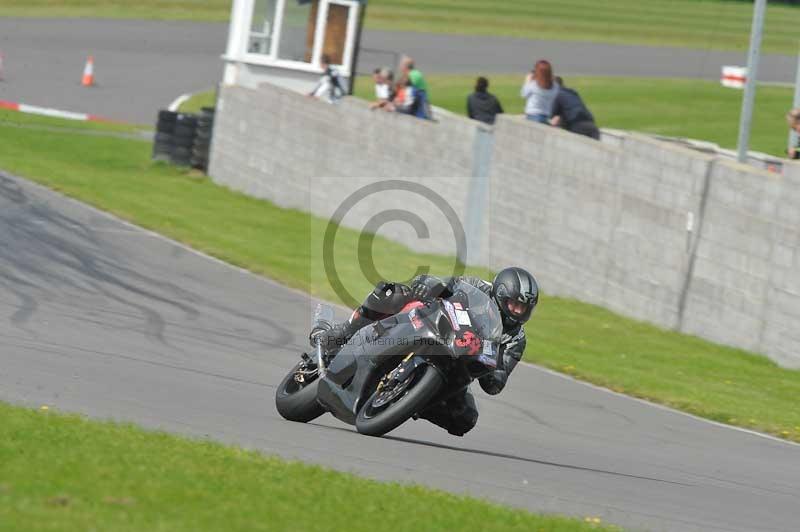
[{"x": 516, "y": 294}]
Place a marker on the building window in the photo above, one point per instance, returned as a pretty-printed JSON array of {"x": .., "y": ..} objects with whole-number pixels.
[
  {"x": 297, "y": 31},
  {"x": 262, "y": 27}
]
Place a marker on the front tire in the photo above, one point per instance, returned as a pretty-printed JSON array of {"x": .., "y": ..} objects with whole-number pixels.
[
  {"x": 297, "y": 402},
  {"x": 377, "y": 421}
]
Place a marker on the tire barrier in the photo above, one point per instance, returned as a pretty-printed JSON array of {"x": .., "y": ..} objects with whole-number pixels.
[
  {"x": 202, "y": 139},
  {"x": 184, "y": 139},
  {"x": 165, "y": 130}
]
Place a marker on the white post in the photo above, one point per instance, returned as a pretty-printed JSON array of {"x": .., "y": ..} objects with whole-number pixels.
[
  {"x": 238, "y": 35},
  {"x": 237, "y": 31},
  {"x": 319, "y": 32},
  {"x": 795, "y": 103},
  {"x": 752, "y": 75}
]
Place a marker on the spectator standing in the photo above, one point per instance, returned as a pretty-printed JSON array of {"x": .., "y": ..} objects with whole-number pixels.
[
  {"x": 539, "y": 91},
  {"x": 483, "y": 105},
  {"x": 571, "y": 113},
  {"x": 794, "y": 123},
  {"x": 329, "y": 88},
  {"x": 420, "y": 85},
  {"x": 384, "y": 90}
]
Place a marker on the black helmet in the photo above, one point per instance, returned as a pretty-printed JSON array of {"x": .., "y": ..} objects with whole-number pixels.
[{"x": 516, "y": 293}]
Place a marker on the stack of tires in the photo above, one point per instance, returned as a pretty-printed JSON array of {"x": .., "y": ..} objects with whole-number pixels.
[
  {"x": 183, "y": 139},
  {"x": 165, "y": 129},
  {"x": 202, "y": 139}
]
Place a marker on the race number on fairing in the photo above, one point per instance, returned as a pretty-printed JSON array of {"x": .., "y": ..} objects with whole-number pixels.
[{"x": 489, "y": 354}]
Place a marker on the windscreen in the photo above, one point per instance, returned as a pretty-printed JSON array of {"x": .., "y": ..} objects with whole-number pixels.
[{"x": 483, "y": 312}]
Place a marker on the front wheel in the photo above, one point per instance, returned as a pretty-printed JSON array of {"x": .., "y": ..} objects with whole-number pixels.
[
  {"x": 388, "y": 408},
  {"x": 296, "y": 396}
]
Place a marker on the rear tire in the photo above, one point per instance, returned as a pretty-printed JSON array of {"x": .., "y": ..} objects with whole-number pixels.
[
  {"x": 421, "y": 392},
  {"x": 297, "y": 403}
]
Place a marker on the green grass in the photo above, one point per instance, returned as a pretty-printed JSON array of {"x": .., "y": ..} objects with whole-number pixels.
[
  {"x": 696, "y": 109},
  {"x": 197, "y": 10},
  {"x": 588, "y": 342},
  {"x": 23, "y": 120},
  {"x": 199, "y": 100},
  {"x": 61, "y": 472},
  {"x": 699, "y": 24}
]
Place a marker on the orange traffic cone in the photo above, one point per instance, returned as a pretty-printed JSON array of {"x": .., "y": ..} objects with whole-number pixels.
[{"x": 88, "y": 73}]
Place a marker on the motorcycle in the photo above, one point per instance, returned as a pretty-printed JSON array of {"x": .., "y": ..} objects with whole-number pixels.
[{"x": 396, "y": 368}]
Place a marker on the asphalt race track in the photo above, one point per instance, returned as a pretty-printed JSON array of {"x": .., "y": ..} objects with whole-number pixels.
[
  {"x": 102, "y": 318},
  {"x": 142, "y": 66}
]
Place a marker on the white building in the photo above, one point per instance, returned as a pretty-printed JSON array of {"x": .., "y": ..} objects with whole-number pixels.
[{"x": 283, "y": 41}]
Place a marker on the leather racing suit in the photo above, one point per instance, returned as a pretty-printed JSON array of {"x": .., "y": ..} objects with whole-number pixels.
[{"x": 459, "y": 414}]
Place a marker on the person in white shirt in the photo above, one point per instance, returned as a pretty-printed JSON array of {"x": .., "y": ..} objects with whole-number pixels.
[
  {"x": 540, "y": 91},
  {"x": 793, "y": 118},
  {"x": 329, "y": 88},
  {"x": 384, "y": 92}
]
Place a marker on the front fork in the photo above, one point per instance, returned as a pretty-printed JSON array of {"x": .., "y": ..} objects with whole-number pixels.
[{"x": 321, "y": 360}]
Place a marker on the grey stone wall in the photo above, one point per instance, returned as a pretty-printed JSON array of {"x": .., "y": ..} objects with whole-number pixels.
[
  {"x": 601, "y": 223},
  {"x": 745, "y": 288},
  {"x": 648, "y": 229},
  {"x": 274, "y": 144}
]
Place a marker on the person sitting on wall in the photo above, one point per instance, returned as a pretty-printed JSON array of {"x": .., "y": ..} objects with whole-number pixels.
[
  {"x": 570, "y": 113},
  {"x": 421, "y": 91},
  {"x": 398, "y": 96},
  {"x": 482, "y": 105},
  {"x": 384, "y": 89},
  {"x": 330, "y": 87},
  {"x": 407, "y": 100},
  {"x": 794, "y": 123}
]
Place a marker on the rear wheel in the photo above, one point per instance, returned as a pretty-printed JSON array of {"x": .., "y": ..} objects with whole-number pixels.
[
  {"x": 296, "y": 396},
  {"x": 392, "y": 405}
]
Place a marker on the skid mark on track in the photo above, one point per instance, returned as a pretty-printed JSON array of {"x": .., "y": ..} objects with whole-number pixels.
[
  {"x": 59, "y": 350},
  {"x": 508, "y": 456},
  {"x": 62, "y": 251}
]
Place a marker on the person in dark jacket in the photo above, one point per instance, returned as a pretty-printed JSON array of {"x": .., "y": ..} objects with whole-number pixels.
[
  {"x": 570, "y": 113},
  {"x": 481, "y": 104},
  {"x": 516, "y": 294}
]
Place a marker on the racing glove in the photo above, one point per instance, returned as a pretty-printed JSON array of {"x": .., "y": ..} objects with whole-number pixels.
[
  {"x": 427, "y": 287},
  {"x": 421, "y": 292}
]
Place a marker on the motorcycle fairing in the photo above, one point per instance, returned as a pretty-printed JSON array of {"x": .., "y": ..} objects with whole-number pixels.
[{"x": 358, "y": 362}]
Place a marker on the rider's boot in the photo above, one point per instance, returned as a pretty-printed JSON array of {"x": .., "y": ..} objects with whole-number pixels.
[
  {"x": 335, "y": 337},
  {"x": 386, "y": 299},
  {"x": 458, "y": 415}
]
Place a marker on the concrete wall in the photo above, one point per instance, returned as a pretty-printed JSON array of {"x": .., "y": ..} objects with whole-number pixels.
[
  {"x": 604, "y": 224},
  {"x": 648, "y": 229},
  {"x": 274, "y": 144},
  {"x": 745, "y": 288}
]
